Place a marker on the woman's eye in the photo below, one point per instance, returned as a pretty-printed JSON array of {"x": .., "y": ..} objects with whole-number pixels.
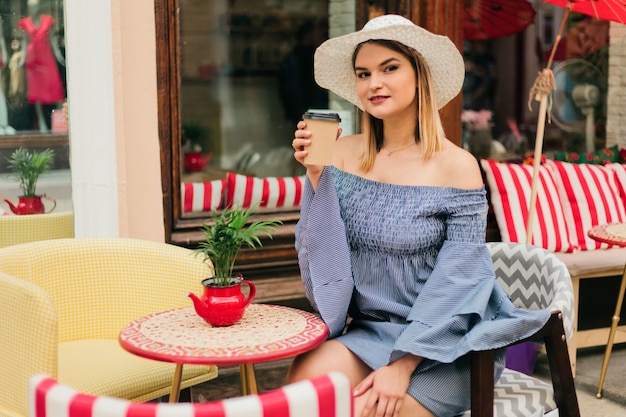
[
  {"x": 362, "y": 74},
  {"x": 391, "y": 68}
]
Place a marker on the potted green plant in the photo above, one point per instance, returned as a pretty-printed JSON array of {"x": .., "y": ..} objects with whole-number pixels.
[
  {"x": 222, "y": 302},
  {"x": 192, "y": 133},
  {"x": 27, "y": 166}
]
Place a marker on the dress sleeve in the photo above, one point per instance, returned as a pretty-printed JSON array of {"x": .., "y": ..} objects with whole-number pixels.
[
  {"x": 461, "y": 308},
  {"x": 323, "y": 254}
]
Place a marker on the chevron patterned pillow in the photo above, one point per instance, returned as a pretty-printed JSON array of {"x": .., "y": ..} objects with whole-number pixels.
[
  {"x": 519, "y": 395},
  {"x": 509, "y": 187}
]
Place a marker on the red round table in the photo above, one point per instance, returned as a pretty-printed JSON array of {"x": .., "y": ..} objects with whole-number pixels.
[
  {"x": 265, "y": 333},
  {"x": 614, "y": 234}
]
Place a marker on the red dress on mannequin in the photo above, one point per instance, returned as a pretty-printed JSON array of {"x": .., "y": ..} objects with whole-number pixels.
[{"x": 43, "y": 82}]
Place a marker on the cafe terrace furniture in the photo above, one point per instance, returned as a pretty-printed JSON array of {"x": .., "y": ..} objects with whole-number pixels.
[
  {"x": 613, "y": 234},
  {"x": 535, "y": 279},
  {"x": 64, "y": 301},
  {"x": 30, "y": 228},
  {"x": 329, "y": 395},
  {"x": 265, "y": 333},
  {"x": 593, "y": 189},
  {"x": 571, "y": 199}
]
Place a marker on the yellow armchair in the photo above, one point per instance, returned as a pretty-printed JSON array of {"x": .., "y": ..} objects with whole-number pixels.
[
  {"x": 64, "y": 301},
  {"x": 30, "y": 228}
]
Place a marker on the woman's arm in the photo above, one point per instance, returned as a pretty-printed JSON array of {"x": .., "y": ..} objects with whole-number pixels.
[
  {"x": 24, "y": 49},
  {"x": 3, "y": 46},
  {"x": 323, "y": 253},
  {"x": 56, "y": 50}
]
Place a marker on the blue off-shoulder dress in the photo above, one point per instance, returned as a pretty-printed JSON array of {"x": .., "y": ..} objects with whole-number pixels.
[{"x": 410, "y": 266}]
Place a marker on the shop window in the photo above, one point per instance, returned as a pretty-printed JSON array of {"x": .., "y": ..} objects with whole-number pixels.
[
  {"x": 246, "y": 77},
  {"x": 32, "y": 52},
  {"x": 33, "y": 84}
]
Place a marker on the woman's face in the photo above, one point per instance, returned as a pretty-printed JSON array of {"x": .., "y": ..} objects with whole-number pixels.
[{"x": 385, "y": 82}]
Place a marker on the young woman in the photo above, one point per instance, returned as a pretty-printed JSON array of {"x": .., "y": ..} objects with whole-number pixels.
[{"x": 392, "y": 234}]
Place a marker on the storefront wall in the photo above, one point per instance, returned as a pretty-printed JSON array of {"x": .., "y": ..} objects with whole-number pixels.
[
  {"x": 115, "y": 159},
  {"x": 115, "y": 156},
  {"x": 616, "y": 107}
]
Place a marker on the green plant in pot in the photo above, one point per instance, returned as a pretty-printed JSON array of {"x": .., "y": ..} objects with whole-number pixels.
[
  {"x": 27, "y": 166},
  {"x": 223, "y": 303},
  {"x": 192, "y": 134}
]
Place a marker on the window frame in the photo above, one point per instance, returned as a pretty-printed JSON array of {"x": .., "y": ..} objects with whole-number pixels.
[{"x": 277, "y": 255}]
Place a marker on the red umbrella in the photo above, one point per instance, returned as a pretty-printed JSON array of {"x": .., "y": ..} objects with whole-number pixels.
[
  {"x": 487, "y": 19},
  {"x": 614, "y": 10}
]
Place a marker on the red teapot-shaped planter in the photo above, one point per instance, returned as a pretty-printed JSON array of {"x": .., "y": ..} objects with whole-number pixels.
[
  {"x": 195, "y": 161},
  {"x": 31, "y": 205},
  {"x": 223, "y": 305}
]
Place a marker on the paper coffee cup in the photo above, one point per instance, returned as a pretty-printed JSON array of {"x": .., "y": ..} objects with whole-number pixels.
[{"x": 323, "y": 128}]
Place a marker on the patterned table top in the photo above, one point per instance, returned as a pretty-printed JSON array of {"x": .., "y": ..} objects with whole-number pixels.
[
  {"x": 614, "y": 234},
  {"x": 266, "y": 332}
]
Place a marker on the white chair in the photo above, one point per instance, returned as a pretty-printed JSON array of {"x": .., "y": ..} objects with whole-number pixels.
[
  {"x": 330, "y": 394},
  {"x": 534, "y": 279}
]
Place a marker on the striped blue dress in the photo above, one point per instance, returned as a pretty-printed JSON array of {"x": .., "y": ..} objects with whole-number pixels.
[{"x": 409, "y": 265}]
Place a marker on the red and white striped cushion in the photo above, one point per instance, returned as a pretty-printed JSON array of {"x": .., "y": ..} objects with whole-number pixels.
[
  {"x": 510, "y": 186},
  {"x": 620, "y": 178},
  {"x": 590, "y": 196},
  {"x": 202, "y": 196},
  {"x": 272, "y": 192},
  {"x": 330, "y": 395}
]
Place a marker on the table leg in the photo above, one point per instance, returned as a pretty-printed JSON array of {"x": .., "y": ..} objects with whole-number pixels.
[
  {"x": 178, "y": 374},
  {"x": 609, "y": 344},
  {"x": 245, "y": 389},
  {"x": 248, "y": 379}
]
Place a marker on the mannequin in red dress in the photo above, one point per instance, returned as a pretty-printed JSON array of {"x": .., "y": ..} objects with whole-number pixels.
[{"x": 43, "y": 81}]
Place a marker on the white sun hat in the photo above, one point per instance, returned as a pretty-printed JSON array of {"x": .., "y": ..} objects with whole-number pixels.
[{"x": 333, "y": 59}]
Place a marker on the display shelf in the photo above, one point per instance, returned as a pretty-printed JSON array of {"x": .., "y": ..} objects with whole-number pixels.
[{"x": 33, "y": 139}]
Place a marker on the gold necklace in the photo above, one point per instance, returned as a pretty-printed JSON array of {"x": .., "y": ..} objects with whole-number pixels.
[{"x": 389, "y": 153}]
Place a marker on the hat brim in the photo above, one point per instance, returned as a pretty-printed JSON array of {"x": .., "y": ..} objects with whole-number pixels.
[{"x": 333, "y": 59}]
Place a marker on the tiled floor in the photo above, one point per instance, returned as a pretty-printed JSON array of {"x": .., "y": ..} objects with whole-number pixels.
[
  {"x": 228, "y": 384},
  {"x": 590, "y": 406},
  {"x": 589, "y": 363},
  {"x": 272, "y": 375}
]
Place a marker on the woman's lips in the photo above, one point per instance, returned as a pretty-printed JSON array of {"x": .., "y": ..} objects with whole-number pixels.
[{"x": 378, "y": 99}]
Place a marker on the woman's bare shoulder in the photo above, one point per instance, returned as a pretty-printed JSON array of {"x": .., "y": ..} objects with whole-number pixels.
[
  {"x": 347, "y": 148},
  {"x": 350, "y": 141},
  {"x": 459, "y": 167}
]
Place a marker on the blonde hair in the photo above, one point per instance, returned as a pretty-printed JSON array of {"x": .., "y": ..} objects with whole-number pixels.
[{"x": 428, "y": 129}]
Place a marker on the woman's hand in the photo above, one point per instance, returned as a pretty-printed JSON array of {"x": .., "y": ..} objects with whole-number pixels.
[
  {"x": 300, "y": 142},
  {"x": 386, "y": 387}
]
